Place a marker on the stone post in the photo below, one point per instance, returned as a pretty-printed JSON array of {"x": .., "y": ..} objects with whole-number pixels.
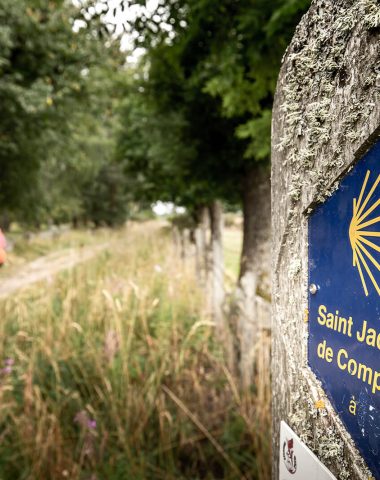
[{"x": 326, "y": 117}]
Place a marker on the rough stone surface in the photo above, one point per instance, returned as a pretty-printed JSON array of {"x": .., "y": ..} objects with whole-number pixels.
[{"x": 326, "y": 114}]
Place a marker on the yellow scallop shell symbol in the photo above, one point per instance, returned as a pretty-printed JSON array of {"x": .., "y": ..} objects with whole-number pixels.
[{"x": 363, "y": 217}]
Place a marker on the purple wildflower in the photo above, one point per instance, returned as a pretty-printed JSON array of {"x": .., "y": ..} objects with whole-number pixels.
[
  {"x": 6, "y": 370},
  {"x": 84, "y": 420},
  {"x": 91, "y": 424}
]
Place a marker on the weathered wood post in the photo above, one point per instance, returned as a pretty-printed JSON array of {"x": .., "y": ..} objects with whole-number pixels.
[
  {"x": 252, "y": 295},
  {"x": 201, "y": 243},
  {"x": 217, "y": 265},
  {"x": 326, "y": 265}
]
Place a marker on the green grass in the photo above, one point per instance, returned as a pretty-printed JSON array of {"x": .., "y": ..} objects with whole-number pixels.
[
  {"x": 29, "y": 249},
  {"x": 112, "y": 372},
  {"x": 232, "y": 241}
]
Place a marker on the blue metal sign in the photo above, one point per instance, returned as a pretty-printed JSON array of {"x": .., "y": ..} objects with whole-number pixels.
[{"x": 344, "y": 303}]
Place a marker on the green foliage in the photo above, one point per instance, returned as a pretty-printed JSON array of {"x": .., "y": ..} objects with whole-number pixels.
[
  {"x": 206, "y": 94},
  {"x": 36, "y": 72},
  {"x": 151, "y": 147},
  {"x": 245, "y": 43},
  {"x": 105, "y": 200},
  {"x": 258, "y": 130},
  {"x": 195, "y": 117},
  {"x": 174, "y": 137},
  {"x": 57, "y": 87}
]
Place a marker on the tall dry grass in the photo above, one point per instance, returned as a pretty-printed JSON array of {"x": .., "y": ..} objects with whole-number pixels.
[{"x": 111, "y": 372}]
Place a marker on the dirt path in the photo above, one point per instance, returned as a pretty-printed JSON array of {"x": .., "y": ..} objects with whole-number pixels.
[{"x": 46, "y": 267}]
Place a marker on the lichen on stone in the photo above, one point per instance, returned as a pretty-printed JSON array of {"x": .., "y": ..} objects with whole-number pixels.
[
  {"x": 328, "y": 91},
  {"x": 316, "y": 66}
]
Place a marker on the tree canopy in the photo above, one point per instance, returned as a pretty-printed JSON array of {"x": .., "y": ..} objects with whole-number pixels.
[
  {"x": 208, "y": 79},
  {"x": 184, "y": 124},
  {"x": 52, "y": 82}
]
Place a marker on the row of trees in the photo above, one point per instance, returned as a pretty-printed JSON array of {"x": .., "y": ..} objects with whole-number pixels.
[
  {"x": 83, "y": 134},
  {"x": 196, "y": 128}
]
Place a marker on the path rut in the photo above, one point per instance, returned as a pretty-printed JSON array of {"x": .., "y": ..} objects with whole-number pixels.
[{"x": 46, "y": 267}]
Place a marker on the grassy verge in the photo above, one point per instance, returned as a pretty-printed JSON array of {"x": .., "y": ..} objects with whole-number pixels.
[
  {"x": 25, "y": 250},
  {"x": 232, "y": 241},
  {"x": 111, "y": 372}
]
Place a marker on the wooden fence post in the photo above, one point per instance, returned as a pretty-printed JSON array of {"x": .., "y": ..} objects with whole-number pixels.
[{"x": 217, "y": 290}]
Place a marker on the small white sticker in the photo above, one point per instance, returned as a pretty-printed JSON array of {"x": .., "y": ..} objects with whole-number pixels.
[{"x": 297, "y": 462}]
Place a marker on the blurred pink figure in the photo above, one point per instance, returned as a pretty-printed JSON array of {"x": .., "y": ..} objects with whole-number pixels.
[
  {"x": 3, "y": 245},
  {"x": 3, "y": 241}
]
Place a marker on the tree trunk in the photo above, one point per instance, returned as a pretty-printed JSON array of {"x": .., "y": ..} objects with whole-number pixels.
[
  {"x": 254, "y": 268},
  {"x": 5, "y": 221},
  {"x": 176, "y": 240},
  {"x": 217, "y": 266},
  {"x": 201, "y": 241},
  {"x": 185, "y": 243}
]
